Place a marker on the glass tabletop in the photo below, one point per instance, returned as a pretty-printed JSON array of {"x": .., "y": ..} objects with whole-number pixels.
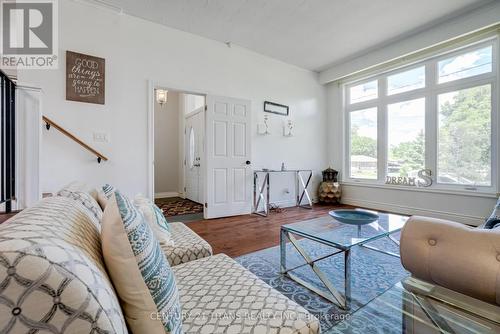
[
  {"x": 329, "y": 231},
  {"x": 398, "y": 311}
]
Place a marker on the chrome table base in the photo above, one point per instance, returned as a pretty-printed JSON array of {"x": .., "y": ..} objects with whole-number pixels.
[
  {"x": 261, "y": 193},
  {"x": 332, "y": 294}
]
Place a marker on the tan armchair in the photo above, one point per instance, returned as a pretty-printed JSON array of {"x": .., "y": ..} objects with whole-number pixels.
[{"x": 454, "y": 256}]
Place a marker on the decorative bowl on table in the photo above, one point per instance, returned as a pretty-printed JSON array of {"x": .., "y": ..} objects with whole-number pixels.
[{"x": 354, "y": 217}]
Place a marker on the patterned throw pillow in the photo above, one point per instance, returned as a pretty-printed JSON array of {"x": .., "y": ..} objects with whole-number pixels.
[
  {"x": 104, "y": 194},
  {"x": 83, "y": 197},
  {"x": 83, "y": 187},
  {"x": 139, "y": 270},
  {"x": 156, "y": 220},
  {"x": 494, "y": 220}
]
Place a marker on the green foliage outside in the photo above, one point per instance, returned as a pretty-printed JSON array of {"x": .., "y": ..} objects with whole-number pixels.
[
  {"x": 464, "y": 140},
  {"x": 410, "y": 154},
  {"x": 465, "y": 135},
  {"x": 361, "y": 145}
]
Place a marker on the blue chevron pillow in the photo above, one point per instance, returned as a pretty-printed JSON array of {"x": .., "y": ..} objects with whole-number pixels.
[
  {"x": 108, "y": 190},
  {"x": 139, "y": 269},
  {"x": 494, "y": 220},
  {"x": 104, "y": 193}
]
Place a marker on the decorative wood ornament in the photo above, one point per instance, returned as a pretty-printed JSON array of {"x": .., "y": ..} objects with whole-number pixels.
[{"x": 329, "y": 190}]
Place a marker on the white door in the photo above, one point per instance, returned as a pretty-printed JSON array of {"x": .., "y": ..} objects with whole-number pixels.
[
  {"x": 228, "y": 147},
  {"x": 194, "y": 156}
]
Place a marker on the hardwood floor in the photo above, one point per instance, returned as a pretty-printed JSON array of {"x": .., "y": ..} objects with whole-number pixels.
[
  {"x": 6, "y": 216},
  {"x": 241, "y": 235}
]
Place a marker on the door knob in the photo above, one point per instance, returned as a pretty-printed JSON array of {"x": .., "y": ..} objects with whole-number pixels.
[{"x": 248, "y": 162}]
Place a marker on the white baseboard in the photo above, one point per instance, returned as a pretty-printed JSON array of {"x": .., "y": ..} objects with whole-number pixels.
[
  {"x": 167, "y": 194},
  {"x": 408, "y": 210}
]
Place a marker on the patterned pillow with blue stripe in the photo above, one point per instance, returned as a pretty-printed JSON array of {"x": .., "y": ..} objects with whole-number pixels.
[
  {"x": 160, "y": 219},
  {"x": 139, "y": 249},
  {"x": 494, "y": 220},
  {"x": 155, "y": 218}
]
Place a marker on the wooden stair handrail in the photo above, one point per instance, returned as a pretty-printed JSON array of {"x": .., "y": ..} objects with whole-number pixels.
[{"x": 49, "y": 123}]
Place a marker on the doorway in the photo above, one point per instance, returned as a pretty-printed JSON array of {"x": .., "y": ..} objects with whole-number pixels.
[
  {"x": 208, "y": 149},
  {"x": 194, "y": 154},
  {"x": 179, "y": 153}
]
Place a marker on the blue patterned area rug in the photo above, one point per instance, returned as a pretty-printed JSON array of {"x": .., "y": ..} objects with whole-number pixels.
[{"x": 372, "y": 272}]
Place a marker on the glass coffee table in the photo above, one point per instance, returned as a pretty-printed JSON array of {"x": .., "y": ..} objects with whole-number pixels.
[{"x": 341, "y": 238}]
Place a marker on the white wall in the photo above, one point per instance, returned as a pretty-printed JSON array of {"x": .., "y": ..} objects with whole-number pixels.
[
  {"x": 28, "y": 140},
  {"x": 137, "y": 51},
  {"x": 484, "y": 16},
  {"x": 167, "y": 155},
  {"x": 466, "y": 208}
]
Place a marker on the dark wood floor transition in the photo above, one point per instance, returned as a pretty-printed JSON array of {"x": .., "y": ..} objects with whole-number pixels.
[
  {"x": 6, "y": 216},
  {"x": 241, "y": 235}
]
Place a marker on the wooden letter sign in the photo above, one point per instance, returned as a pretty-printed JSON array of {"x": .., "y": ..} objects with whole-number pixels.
[{"x": 84, "y": 78}]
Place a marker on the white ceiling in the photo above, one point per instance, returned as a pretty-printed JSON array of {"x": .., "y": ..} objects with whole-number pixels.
[{"x": 312, "y": 34}]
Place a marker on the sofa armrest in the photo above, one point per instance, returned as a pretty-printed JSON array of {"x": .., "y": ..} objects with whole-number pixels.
[{"x": 453, "y": 255}]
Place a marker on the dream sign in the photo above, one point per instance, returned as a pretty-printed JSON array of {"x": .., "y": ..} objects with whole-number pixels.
[
  {"x": 423, "y": 179},
  {"x": 84, "y": 78}
]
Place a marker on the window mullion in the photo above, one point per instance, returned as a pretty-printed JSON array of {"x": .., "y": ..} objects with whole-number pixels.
[
  {"x": 382, "y": 131},
  {"x": 495, "y": 119},
  {"x": 347, "y": 145},
  {"x": 495, "y": 132},
  {"x": 431, "y": 118}
]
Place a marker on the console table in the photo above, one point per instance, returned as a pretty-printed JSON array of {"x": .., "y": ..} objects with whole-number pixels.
[{"x": 302, "y": 177}]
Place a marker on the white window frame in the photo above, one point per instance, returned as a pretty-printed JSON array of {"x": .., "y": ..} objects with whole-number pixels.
[{"x": 430, "y": 92}]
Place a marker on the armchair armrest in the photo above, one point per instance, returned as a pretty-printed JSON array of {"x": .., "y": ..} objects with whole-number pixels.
[{"x": 453, "y": 255}]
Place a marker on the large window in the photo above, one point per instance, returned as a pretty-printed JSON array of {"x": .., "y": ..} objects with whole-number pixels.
[
  {"x": 438, "y": 114},
  {"x": 406, "y": 137},
  {"x": 464, "y": 137},
  {"x": 364, "y": 143}
]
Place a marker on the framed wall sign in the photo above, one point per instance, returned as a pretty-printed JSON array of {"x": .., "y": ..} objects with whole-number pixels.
[
  {"x": 85, "y": 78},
  {"x": 276, "y": 108}
]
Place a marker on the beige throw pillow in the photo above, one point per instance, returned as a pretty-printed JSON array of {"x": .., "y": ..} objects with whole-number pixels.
[{"x": 139, "y": 270}]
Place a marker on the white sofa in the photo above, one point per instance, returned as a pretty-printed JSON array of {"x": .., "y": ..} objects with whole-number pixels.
[
  {"x": 53, "y": 279},
  {"x": 188, "y": 246}
]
